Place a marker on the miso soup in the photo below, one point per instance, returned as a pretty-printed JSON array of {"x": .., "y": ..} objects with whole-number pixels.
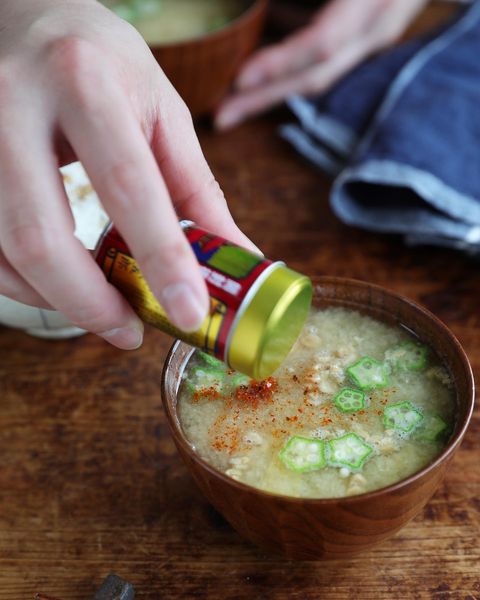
[
  {"x": 167, "y": 21},
  {"x": 356, "y": 406}
]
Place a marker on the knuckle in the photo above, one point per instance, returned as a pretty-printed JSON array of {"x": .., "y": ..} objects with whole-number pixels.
[
  {"x": 76, "y": 62},
  {"x": 210, "y": 189},
  {"x": 323, "y": 50},
  {"x": 95, "y": 317},
  {"x": 124, "y": 181},
  {"x": 70, "y": 52},
  {"x": 170, "y": 255},
  {"x": 271, "y": 64},
  {"x": 29, "y": 245}
]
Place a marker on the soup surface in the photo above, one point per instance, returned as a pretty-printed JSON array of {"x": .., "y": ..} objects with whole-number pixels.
[
  {"x": 356, "y": 406},
  {"x": 166, "y": 21}
]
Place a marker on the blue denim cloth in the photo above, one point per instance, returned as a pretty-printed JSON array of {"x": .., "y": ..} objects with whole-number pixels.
[{"x": 401, "y": 134}]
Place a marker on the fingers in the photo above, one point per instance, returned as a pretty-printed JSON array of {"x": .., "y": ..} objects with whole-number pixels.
[
  {"x": 317, "y": 78},
  {"x": 334, "y": 26},
  {"x": 101, "y": 126},
  {"x": 15, "y": 287},
  {"x": 192, "y": 186},
  {"x": 36, "y": 236},
  {"x": 341, "y": 36},
  {"x": 297, "y": 52}
]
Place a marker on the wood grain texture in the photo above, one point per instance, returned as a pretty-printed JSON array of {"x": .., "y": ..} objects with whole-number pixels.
[{"x": 90, "y": 481}]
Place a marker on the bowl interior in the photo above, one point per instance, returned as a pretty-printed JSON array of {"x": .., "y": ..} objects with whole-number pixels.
[
  {"x": 382, "y": 305},
  {"x": 246, "y": 11}
]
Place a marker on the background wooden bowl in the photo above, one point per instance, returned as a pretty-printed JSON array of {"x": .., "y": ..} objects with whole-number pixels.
[
  {"x": 335, "y": 528},
  {"x": 203, "y": 69}
]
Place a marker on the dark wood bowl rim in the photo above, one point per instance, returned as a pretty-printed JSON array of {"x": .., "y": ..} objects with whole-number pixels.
[
  {"x": 256, "y": 7},
  {"x": 443, "y": 456}
]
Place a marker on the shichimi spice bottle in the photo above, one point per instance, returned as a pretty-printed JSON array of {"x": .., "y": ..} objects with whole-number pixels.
[{"x": 257, "y": 306}]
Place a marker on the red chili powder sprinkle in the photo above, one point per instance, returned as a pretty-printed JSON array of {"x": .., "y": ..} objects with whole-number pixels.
[
  {"x": 210, "y": 393},
  {"x": 257, "y": 391},
  {"x": 228, "y": 441}
]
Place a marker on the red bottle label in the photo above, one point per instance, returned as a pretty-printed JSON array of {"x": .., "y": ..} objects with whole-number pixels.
[{"x": 229, "y": 272}]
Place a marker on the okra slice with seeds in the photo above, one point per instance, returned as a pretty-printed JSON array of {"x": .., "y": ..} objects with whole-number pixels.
[
  {"x": 409, "y": 356},
  {"x": 349, "y": 450},
  {"x": 239, "y": 379},
  {"x": 205, "y": 377},
  {"x": 303, "y": 454},
  {"x": 432, "y": 429},
  {"x": 348, "y": 400},
  {"x": 211, "y": 360},
  {"x": 368, "y": 373},
  {"x": 402, "y": 416}
]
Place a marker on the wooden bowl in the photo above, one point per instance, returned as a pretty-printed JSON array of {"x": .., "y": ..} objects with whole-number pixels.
[
  {"x": 203, "y": 69},
  {"x": 332, "y": 528}
]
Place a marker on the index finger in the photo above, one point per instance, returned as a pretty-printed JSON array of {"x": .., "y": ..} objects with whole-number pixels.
[
  {"x": 194, "y": 190},
  {"x": 98, "y": 120}
]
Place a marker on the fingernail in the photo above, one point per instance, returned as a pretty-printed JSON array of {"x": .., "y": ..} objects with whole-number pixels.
[
  {"x": 126, "y": 338},
  {"x": 184, "y": 306},
  {"x": 227, "y": 119}
]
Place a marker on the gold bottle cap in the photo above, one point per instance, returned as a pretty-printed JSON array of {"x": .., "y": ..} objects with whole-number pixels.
[{"x": 271, "y": 323}]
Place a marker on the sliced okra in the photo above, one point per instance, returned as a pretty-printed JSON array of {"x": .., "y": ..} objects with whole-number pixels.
[
  {"x": 303, "y": 454},
  {"x": 348, "y": 400},
  {"x": 349, "y": 450},
  {"x": 409, "y": 356},
  {"x": 239, "y": 379},
  {"x": 432, "y": 429},
  {"x": 368, "y": 373},
  {"x": 205, "y": 377},
  {"x": 402, "y": 416},
  {"x": 210, "y": 360}
]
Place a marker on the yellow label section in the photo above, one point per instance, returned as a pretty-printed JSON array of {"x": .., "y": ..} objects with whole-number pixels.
[{"x": 123, "y": 272}]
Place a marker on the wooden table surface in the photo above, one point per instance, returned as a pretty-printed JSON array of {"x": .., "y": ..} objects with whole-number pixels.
[{"x": 90, "y": 481}]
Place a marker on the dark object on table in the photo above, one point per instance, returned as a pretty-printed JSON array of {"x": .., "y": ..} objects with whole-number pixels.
[
  {"x": 113, "y": 588},
  {"x": 203, "y": 69}
]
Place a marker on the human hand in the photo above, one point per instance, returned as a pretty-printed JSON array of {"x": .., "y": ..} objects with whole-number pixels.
[
  {"x": 77, "y": 82},
  {"x": 339, "y": 37}
]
